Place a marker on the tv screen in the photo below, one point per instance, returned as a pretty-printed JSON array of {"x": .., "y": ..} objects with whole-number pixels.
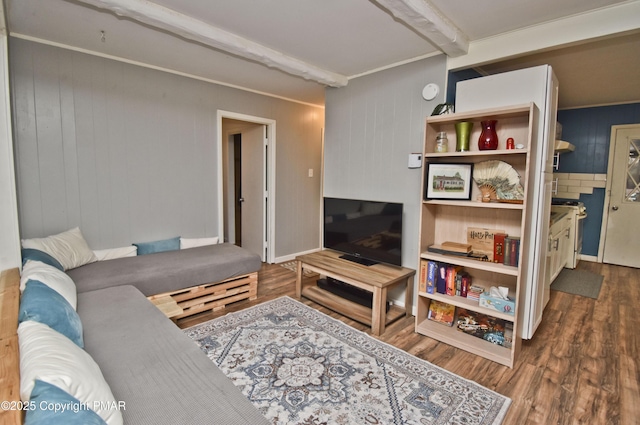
[{"x": 368, "y": 232}]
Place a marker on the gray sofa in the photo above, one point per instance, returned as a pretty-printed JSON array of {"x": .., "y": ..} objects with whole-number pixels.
[
  {"x": 149, "y": 363},
  {"x": 167, "y": 271},
  {"x": 153, "y": 367},
  {"x": 159, "y": 373}
]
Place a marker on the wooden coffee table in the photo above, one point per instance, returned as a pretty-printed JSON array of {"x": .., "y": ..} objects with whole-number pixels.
[{"x": 376, "y": 279}]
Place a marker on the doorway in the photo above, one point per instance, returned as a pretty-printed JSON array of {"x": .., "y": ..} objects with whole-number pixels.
[
  {"x": 235, "y": 187},
  {"x": 246, "y": 189},
  {"x": 622, "y": 202}
]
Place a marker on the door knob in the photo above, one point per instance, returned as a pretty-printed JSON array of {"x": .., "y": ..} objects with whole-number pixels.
[
  {"x": 615, "y": 208},
  {"x": 241, "y": 200}
]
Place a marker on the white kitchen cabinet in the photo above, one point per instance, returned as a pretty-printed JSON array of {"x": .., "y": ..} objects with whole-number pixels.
[{"x": 559, "y": 234}]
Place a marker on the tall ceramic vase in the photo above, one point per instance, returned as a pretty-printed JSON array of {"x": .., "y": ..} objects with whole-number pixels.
[
  {"x": 488, "y": 137},
  {"x": 463, "y": 132}
]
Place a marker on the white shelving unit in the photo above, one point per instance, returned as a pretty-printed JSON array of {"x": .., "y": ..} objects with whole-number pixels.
[{"x": 448, "y": 220}]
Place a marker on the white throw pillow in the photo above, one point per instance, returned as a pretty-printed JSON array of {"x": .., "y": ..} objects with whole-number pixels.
[
  {"x": 52, "y": 357},
  {"x": 113, "y": 253},
  {"x": 196, "y": 242},
  {"x": 69, "y": 248},
  {"x": 55, "y": 279}
]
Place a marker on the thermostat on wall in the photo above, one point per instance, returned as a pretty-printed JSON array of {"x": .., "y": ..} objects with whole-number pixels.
[{"x": 415, "y": 160}]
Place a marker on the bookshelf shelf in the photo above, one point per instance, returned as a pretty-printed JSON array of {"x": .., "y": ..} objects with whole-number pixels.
[
  {"x": 476, "y": 154},
  {"x": 466, "y": 303},
  {"x": 475, "y": 204},
  {"x": 449, "y": 220},
  {"x": 466, "y": 342},
  {"x": 472, "y": 264}
]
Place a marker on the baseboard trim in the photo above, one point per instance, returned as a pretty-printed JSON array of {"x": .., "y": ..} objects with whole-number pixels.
[{"x": 590, "y": 258}]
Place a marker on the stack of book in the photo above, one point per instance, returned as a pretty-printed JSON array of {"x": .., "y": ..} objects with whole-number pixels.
[
  {"x": 463, "y": 283},
  {"x": 443, "y": 278},
  {"x": 506, "y": 249},
  {"x": 474, "y": 292},
  {"x": 511, "y": 251},
  {"x": 451, "y": 248}
]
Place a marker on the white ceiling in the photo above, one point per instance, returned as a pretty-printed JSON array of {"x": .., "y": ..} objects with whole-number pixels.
[{"x": 347, "y": 38}]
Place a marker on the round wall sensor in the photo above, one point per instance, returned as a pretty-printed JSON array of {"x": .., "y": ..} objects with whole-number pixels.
[{"x": 430, "y": 91}]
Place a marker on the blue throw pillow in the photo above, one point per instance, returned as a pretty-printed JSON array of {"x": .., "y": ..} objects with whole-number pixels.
[
  {"x": 42, "y": 304},
  {"x": 47, "y": 398},
  {"x": 158, "y": 246},
  {"x": 37, "y": 255}
]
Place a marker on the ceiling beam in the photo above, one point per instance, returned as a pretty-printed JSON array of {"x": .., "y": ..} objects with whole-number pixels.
[
  {"x": 187, "y": 27},
  {"x": 428, "y": 21}
]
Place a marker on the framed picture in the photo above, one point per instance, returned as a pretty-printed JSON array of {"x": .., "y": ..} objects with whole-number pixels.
[{"x": 448, "y": 181}]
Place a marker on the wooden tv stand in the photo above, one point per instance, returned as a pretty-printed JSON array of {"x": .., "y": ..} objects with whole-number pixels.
[{"x": 376, "y": 279}]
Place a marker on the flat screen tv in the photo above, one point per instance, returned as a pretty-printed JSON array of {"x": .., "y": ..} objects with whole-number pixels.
[{"x": 367, "y": 232}]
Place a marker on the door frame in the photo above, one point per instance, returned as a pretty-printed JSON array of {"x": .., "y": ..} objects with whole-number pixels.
[
  {"x": 607, "y": 192},
  {"x": 269, "y": 178}
]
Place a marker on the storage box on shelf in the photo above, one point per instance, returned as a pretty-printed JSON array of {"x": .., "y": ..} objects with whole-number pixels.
[
  {"x": 449, "y": 219},
  {"x": 502, "y": 305}
]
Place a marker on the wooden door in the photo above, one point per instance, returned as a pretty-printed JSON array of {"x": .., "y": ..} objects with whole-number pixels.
[
  {"x": 253, "y": 188},
  {"x": 622, "y": 244}
]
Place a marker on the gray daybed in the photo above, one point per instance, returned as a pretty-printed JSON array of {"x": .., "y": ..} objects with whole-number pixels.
[
  {"x": 168, "y": 271},
  {"x": 160, "y": 375},
  {"x": 154, "y": 367},
  {"x": 147, "y": 360},
  {"x": 197, "y": 279}
]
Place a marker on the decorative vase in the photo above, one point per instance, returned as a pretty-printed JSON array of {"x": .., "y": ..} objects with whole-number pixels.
[
  {"x": 488, "y": 137},
  {"x": 463, "y": 131}
]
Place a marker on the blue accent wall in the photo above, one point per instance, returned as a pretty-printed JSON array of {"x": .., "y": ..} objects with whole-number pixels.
[
  {"x": 594, "y": 204},
  {"x": 589, "y": 130}
]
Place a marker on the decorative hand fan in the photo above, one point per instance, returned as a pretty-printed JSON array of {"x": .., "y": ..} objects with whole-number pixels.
[{"x": 498, "y": 180}]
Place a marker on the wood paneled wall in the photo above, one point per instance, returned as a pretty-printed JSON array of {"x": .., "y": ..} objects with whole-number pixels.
[
  {"x": 128, "y": 153},
  {"x": 9, "y": 241},
  {"x": 373, "y": 124}
]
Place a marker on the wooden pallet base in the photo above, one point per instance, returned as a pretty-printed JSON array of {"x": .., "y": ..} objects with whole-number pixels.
[{"x": 210, "y": 296}]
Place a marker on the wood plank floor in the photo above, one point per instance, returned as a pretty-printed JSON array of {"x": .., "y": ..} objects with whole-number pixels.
[{"x": 581, "y": 367}]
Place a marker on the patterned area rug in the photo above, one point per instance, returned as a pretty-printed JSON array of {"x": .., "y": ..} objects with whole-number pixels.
[{"x": 300, "y": 366}]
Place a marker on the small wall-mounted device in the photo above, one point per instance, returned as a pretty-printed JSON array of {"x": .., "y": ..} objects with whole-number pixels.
[
  {"x": 415, "y": 160},
  {"x": 430, "y": 91}
]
